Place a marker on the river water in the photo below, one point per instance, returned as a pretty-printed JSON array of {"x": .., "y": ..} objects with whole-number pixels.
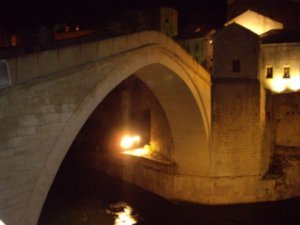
[{"x": 93, "y": 198}]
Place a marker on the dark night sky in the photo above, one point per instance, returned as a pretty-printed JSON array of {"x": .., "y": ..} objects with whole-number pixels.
[{"x": 16, "y": 14}]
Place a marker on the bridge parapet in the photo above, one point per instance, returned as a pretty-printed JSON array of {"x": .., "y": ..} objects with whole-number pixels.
[{"x": 46, "y": 63}]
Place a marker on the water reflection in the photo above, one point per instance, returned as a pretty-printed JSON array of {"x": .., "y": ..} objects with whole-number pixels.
[
  {"x": 100, "y": 199},
  {"x": 123, "y": 213}
]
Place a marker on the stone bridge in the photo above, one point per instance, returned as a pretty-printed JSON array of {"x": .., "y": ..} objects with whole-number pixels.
[{"x": 223, "y": 144}]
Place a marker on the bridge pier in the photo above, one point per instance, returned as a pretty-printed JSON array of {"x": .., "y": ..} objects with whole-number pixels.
[{"x": 237, "y": 127}]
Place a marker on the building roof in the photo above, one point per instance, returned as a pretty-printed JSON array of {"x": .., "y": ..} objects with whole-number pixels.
[
  {"x": 286, "y": 12},
  {"x": 281, "y": 36},
  {"x": 255, "y": 22},
  {"x": 235, "y": 28}
]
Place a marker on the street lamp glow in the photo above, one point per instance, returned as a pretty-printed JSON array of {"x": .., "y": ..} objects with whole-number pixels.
[
  {"x": 128, "y": 142},
  {"x": 278, "y": 85},
  {"x": 294, "y": 84},
  {"x": 1, "y": 223}
]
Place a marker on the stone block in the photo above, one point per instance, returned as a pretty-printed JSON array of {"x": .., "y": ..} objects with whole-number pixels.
[{"x": 29, "y": 121}]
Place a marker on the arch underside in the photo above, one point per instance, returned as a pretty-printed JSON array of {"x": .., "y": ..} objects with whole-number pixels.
[
  {"x": 183, "y": 114},
  {"x": 179, "y": 92}
]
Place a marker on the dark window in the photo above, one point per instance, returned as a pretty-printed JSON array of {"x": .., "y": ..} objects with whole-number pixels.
[
  {"x": 286, "y": 72},
  {"x": 5, "y": 78},
  {"x": 269, "y": 72},
  {"x": 236, "y": 66},
  {"x": 166, "y": 20},
  {"x": 197, "y": 47}
]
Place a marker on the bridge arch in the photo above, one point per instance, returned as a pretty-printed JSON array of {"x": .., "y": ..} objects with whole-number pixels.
[{"x": 184, "y": 94}]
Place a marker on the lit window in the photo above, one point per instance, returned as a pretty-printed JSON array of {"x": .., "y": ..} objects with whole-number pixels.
[
  {"x": 269, "y": 72},
  {"x": 235, "y": 65},
  {"x": 286, "y": 72}
]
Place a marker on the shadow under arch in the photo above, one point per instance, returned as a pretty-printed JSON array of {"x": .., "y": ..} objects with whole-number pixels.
[
  {"x": 184, "y": 117},
  {"x": 172, "y": 84}
]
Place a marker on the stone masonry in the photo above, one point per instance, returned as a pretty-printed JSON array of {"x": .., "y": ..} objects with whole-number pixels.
[{"x": 54, "y": 92}]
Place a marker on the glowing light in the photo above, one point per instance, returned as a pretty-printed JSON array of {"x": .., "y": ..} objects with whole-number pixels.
[
  {"x": 123, "y": 213},
  {"x": 128, "y": 142},
  {"x": 1, "y": 223},
  {"x": 146, "y": 150},
  {"x": 278, "y": 85},
  {"x": 125, "y": 217},
  {"x": 294, "y": 84}
]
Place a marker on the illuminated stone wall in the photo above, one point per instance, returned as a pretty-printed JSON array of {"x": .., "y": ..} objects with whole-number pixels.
[
  {"x": 236, "y": 98},
  {"x": 286, "y": 117},
  {"x": 284, "y": 158},
  {"x": 236, "y": 134},
  {"x": 279, "y": 56}
]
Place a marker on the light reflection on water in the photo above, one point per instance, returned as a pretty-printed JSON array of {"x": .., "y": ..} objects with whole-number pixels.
[
  {"x": 123, "y": 213},
  {"x": 104, "y": 200}
]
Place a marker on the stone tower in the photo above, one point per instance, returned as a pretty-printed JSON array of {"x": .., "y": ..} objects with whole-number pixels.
[{"x": 166, "y": 21}]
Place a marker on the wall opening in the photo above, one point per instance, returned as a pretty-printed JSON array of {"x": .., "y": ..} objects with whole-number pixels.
[{"x": 95, "y": 152}]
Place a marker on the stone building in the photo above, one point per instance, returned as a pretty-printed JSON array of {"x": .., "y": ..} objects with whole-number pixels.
[
  {"x": 257, "y": 41},
  {"x": 166, "y": 21},
  {"x": 232, "y": 57},
  {"x": 199, "y": 46},
  {"x": 278, "y": 24},
  {"x": 256, "y": 56},
  {"x": 280, "y": 60}
]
